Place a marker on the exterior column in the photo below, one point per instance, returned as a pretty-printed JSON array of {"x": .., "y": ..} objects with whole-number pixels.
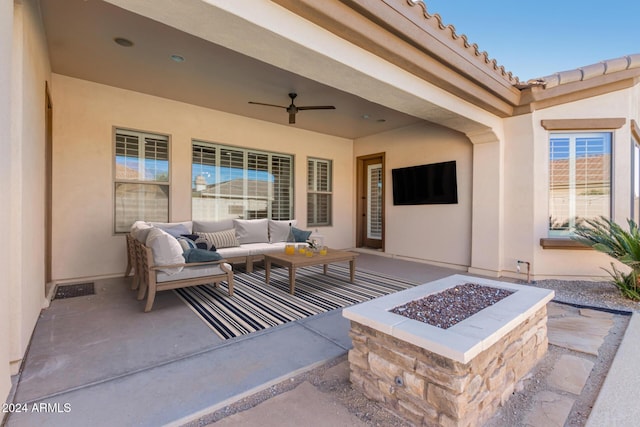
[{"x": 487, "y": 219}]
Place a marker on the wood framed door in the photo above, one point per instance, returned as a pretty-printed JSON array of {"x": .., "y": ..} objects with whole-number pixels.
[
  {"x": 370, "y": 206},
  {"x": 48, "y": 176}
]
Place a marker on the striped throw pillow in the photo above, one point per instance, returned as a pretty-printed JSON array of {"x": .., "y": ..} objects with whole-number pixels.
[{"x": 219, "y": 239}]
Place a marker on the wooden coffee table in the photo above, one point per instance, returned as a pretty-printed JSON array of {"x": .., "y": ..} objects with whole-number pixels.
[{"x": 295, "y": 261}]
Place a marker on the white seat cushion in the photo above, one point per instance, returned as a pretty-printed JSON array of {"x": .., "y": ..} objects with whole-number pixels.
[
  {"x": 234, "y": 251},
  {"x": 192, "y": 273},
  {"x": 264, "y": 248}
]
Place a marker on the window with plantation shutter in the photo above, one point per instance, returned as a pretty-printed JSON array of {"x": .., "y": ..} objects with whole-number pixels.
[
  {"x": 319, "y": 192},
  {"x": 141, "y": 178},
  {"x": 579, "y": 179},
  {"x": 230, "y": 182}
]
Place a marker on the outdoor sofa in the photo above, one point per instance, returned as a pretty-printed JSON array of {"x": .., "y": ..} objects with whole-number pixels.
[{"x": 157, "y": 252}]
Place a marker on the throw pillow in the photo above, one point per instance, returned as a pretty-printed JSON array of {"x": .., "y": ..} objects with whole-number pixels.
[
  {"x": 200, "y": 255},
  {"x": 140, "y": 230},
  {"x": 279, "y": 230},
  {"x": 165, "y": 249},
  {"x": 251, "y": 230},
  {"x": 301, "y": 235},
  {"x": 221, "y": 239},
  {"x": 199, "y": 244},
  {"x": 186, "y": 243}
]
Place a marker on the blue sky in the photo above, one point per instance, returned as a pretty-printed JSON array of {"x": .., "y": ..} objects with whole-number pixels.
[{"x": 539, "y": 38}]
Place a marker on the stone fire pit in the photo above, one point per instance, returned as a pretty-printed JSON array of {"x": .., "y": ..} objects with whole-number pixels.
[{"x": 453, "y": 377}]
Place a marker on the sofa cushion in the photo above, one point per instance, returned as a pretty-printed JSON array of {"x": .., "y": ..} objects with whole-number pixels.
[
  {"x": 220, "y": 239},
  {"x": 279, "y": 230},
  {"x": 301, "y": 235},
  {"x": 212, "y": 226},
  {"x": 263, "y": 248},
  {"x": 165, "y": 249},
  {"x": 251, "y": 230},
  {"x": 192, "y": 273},
  {"x": 234, "y": 252},
  {"x": 200, "y": 255},
  {"x": 187, "y": 224},
  {"x": 176, "y": 230}
]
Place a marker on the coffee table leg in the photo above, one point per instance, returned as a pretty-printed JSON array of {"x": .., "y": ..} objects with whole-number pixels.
[
  {"x": 292, "y": 280},
  {"x": 352, "y": 269},
  {"x": 325, "y": 269},
  {"x": 267, "y": 270}
]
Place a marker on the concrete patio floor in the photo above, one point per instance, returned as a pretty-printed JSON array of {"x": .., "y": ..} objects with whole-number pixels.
[{"x": 99, "y": 360}]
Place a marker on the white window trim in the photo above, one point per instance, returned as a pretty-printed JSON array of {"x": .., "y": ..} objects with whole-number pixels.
[
  {"x": 579, "y": 133},
  {"x": 312, "y": 189},
  {"x": 141, "y": 135},
  {"x": 245, "y": 154}
]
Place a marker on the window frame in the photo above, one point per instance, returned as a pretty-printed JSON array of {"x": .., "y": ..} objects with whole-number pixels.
[
  {"x": 141, "y": 134},
  {"x": 246, "y": 153},
  {"x": 573, "y": 135},
  {"x": 312, "y": 189}
]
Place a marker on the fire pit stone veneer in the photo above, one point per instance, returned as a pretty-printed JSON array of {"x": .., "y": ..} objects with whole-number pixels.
[{"x": 454, "y": 377}]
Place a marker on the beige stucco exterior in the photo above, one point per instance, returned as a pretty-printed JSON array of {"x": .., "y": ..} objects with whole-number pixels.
[
  {"x": 416, "y": 232},
  {"x": 84, "y": 118},
  {"x": 23, "y": 177},
  {"x": 501, "y": 149}
]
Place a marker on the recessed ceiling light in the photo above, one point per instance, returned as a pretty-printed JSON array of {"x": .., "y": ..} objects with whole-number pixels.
[
  {"x": 177, "y": 58},
  {"x": 365, "y": 116},
  {"x": 123, "y": 42}
]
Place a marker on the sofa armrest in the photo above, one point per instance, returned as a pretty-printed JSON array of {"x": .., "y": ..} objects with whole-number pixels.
[{"x": 190, "y": 264}]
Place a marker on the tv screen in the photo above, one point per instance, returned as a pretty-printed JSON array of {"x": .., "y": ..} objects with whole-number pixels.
[{"x": 432, "y": 184}]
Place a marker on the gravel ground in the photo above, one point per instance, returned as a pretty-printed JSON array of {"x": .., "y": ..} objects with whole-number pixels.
[
  {"x": 578, "y": 293},
  {"x": 451, "y": 306}
]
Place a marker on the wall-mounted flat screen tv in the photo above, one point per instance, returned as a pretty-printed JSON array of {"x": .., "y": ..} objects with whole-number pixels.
[{"x": 432, "y": 184}]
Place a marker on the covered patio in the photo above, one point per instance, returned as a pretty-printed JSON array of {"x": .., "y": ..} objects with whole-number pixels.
[
  {"x": 116, "y": 365},
  {"x": 99, "y": 360}
]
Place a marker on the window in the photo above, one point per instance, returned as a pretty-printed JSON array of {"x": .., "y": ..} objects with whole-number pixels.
[
  {"x": 141, "y": 178},
  {"x": 319, "y": 192},
  {"x": 579, "y": 179},
  {"x": 230, "y": 182}
]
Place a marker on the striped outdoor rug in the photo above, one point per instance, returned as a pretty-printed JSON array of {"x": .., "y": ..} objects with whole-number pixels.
[{"x": 256, "y": 306}]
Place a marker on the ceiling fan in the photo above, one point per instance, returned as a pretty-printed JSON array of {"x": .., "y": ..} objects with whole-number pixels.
[{"x": 293, "y": 109}]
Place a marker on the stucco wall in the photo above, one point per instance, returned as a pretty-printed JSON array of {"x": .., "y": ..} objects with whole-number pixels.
[
  {"x": 527, "y": 181},
  {"x": 433, "y": 233},
  {"x": 23, "y": 178},
  {"x": 6, "y": 37},
  {"x": 84, "y": 116}
]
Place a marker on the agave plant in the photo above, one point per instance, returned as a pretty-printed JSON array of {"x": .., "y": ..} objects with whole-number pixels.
[{"x": 610, "y": 238}]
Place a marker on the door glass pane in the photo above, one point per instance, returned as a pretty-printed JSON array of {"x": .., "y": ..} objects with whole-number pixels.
[{"x": 374, "y": 205}]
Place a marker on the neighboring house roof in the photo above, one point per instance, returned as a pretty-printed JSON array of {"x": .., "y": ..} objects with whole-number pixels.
[
  {"x": 258, "y": 189},
  {"x": 592, "y": 170}
]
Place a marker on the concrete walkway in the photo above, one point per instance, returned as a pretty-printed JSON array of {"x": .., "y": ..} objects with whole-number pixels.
[{"x": 100, "y": 361}]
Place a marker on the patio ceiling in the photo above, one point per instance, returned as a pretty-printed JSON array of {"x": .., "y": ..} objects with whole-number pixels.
[{"x": 80, "y": 36}]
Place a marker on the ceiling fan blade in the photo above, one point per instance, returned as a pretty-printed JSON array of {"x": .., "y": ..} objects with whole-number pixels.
[
  {"x": 268, "y": 105},
  {"x": 317, "y": 107},
  {"x": 292, "y": 118}
]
